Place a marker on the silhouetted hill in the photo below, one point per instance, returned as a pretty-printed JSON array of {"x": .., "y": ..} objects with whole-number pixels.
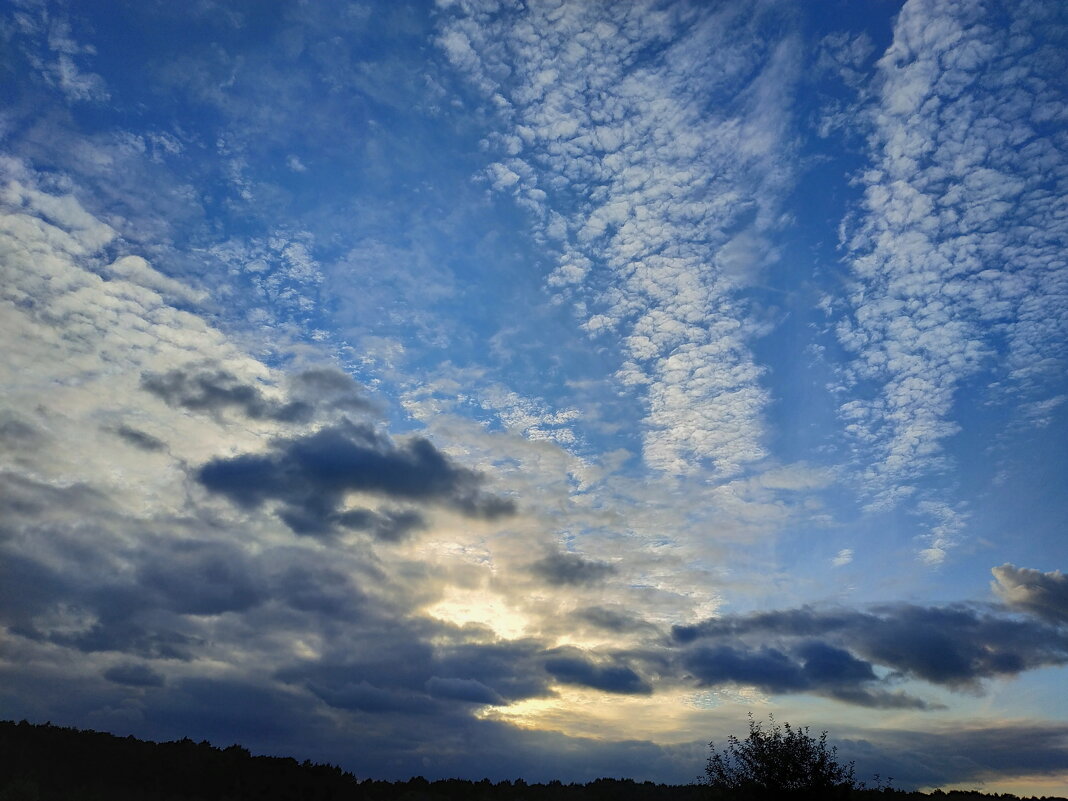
[{"x": 51, "y": 763}]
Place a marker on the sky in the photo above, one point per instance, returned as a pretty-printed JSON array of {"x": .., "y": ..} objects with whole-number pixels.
[{"x": 504, "y": 388}]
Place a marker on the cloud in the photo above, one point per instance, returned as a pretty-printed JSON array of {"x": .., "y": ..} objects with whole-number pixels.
[
  {"x": 571, "y": 569},
  {"x": 1042, "y": 594},
  {"x": 390, "y": 525},
  {"x": 47, "y": 42},
  {"x": 329, "y": 388},
  {"x": 195, "y": 541},
  {"x": 812, "y": 667},
  {"x": 214, "y": 390},
  {"x": 134, "y": 675},
  {"x": 138, "y": 271},
  {"x": 140, "y": 439},
  {"x": 609, "y": 678},
  {"x": 950, "y": 279},
  {"x": 202, "y": 578},
  {"x": 469, "y": 690},
  {"x": 953, "y": 646},
  {"x": 656, "y": 203},
  {"x": 985, "y": 751},
  {"x": 405, "y": 673},
  {"x": 613, "y": 619},
  {"x": 311, "y": 474}
]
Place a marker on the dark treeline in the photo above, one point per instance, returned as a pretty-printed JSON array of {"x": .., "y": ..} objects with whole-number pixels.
[{"x": 51, "y": 763}]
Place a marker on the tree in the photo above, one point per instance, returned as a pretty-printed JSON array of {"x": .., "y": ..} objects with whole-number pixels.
[{"x": 777, "y": 761}]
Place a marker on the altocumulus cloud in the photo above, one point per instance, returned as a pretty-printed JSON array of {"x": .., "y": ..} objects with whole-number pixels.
[
  {"x": 657, "y": 204},
  {"x": 957, "y": 255}
]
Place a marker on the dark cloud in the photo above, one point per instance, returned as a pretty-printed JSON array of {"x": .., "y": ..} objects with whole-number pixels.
[
  {"x": 610, "y": 619},
  {"x": 318, "y": 518},
  {"x": 139, "y": 439},
  {"x": 235, "y": 710},
  {"x": 512, "y": 669},
  {"x": 824, "y": 664},
  {"x": 319, "y": 590},
  {"x": 310, "y": 476},
  {"x": 202, "y": 578},
  {"x": 16, "y": 433},
  {"x": 134, "y": 676},
  {"x": 329, "y": 388},
  {"x": 767, "y": 668},
  {"x": 1032, "y": 591},
  {"x": 282, "y": 720},
  {"x": 955, "y": 646},
  {"x": 469, "y": 690},
  {"x": 803, "y": 622},
  {"x": 86, "y": 612},
  {"x": 406, "y": 673},
  {"x": 570, "y": 569},
  {"x": 25, "y": 500},
  {"x": 879, "y": 699},
  {"x": 363, "y": 696},
  {"x": 963, "y": 754},
  {"x": 214, "y": 390},
  {"x": 810, "y": 667},
  {"x": 609, "y": 678}
]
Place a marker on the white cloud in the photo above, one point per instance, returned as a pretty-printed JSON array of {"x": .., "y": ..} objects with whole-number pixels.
[
  {"x": 958, "y": 257},
  {"x": 136, "y": 270},
  {"x": 843, "y": 557},
  {"x": 659, "y": 181},
  {"x": 78, "y": 344},
  {"x": 49, "y": 45}
]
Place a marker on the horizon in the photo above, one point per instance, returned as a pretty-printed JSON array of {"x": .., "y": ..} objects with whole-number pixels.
[{"x": 420, "y": 386}]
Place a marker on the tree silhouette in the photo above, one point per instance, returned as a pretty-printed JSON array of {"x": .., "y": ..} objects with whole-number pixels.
[{"x": 778, "y": 761}]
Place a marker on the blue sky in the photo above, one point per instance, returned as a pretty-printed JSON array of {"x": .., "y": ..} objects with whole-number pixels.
[{"x": 537, "y": 388}]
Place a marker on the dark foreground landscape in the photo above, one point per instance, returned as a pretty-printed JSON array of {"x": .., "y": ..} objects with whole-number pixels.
[{"x": 52, "y": 763}]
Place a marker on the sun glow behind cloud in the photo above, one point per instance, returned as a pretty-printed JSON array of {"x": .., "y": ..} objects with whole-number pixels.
[{"x": 483, "y": 608}]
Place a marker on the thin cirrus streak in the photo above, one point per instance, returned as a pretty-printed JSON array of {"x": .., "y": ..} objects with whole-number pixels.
[
  {"x": 650, "y": 147},
  {"x": 958, "y": 255}
]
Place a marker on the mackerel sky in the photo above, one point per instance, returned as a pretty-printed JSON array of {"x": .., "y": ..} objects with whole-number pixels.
[{"x": 534, "y": 389}]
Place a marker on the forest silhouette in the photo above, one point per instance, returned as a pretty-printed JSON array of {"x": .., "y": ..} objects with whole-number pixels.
[{"x": 52, "y": 763}]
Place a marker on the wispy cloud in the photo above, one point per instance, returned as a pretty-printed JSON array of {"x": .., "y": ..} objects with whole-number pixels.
[{"x": 45, "y": 36}]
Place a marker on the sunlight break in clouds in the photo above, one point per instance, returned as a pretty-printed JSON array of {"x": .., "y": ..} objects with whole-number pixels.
[{"x": 655, "y": 180}]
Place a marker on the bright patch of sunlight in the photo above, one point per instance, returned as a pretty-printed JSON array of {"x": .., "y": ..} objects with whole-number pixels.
[
  {"x": 462, "y": 606},
  {"x": 581, "y": 712}
]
